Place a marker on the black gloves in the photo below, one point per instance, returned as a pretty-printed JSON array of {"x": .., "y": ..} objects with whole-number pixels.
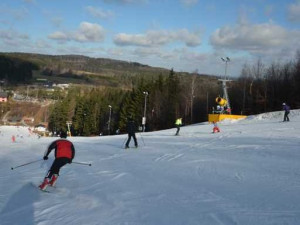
[{"x": 45, "y": 157}]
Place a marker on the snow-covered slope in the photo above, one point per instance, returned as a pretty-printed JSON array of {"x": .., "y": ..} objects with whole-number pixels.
[{"x": 249, "y": 173}]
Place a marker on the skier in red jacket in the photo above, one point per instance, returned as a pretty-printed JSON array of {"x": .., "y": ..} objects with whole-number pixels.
[{"x": 64, "y": 153}]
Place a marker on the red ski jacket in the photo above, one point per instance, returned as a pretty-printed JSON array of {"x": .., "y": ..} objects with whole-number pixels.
[{"x": 63, "y": 149}]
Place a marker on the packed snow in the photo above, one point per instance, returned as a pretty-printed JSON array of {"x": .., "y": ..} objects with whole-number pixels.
[{"x": 247, "y": 174}]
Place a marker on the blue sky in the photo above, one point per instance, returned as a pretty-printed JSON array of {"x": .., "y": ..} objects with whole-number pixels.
[{"x": 186, "y": 35}]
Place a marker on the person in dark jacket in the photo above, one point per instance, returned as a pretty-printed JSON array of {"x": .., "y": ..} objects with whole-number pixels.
[
  {"x": 64, "y": 153},
  {"x": 131, "y": 128},
  {"x": 286, "y": 109}
]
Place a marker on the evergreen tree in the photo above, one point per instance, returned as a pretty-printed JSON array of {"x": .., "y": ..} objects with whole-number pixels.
[
  {"x": 172, "y": 107},
  {"x": 78, "y": 118},
  {"x": 59, "y": 116}
]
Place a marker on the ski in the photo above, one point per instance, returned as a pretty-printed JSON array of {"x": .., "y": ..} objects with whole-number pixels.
[
  {"x": 130, "y": 147},
  {"x": 36, "y": 186},
  {"x": 46, "y": 191}
]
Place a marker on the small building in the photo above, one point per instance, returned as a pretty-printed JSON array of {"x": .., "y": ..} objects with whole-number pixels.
[
  {"x": 3, "y": 96},
  {"x": 40, "y": 128},
  {"x": 62, "y": 86},
  {"x": 28, "y": 119}
]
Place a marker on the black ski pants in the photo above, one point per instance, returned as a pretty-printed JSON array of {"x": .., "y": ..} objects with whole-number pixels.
[
  {"x": 178, "y": 129},
  {"x": 129, "y": 138},
  {"x": 286, "y": 116},
  {"x": 56, "y": 165}
]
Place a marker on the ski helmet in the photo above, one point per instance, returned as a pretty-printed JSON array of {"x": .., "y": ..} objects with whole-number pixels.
[{"x": 63, "y": 134}]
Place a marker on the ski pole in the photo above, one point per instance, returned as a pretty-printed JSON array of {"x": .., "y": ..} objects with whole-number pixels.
[
  {"x": 26, "y": 164},
  {"x": 82, "y": 163},
  {"x": 124, "y": 142},
  {"x": 142, "y": 139}
]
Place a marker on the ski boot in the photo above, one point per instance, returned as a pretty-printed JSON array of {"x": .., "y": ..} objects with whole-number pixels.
[
  {"x": 44, "y": 185},
  {"x": 216, "y": 129},
  {"x": 53, "y": 180}
]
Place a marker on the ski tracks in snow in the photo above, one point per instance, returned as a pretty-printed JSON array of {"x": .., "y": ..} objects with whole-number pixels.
[
  {"x": 210, "y": 168},
  {"x": 113, "y": 156},
  {"x": 168, "y": 157},
  {"x": 207, "y": 142},
  {"x": 113, "y": 175},
  {"x": 222, "y": 219}
]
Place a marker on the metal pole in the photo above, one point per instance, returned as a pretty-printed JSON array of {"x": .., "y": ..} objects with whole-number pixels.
[
  {"x": 26, "y": 164},
  {"x": 145, "y": 108},
  {"x": 225, "y": 95},
  {"x": 82, "y": 163},
  {"x": 226, "y": 69},
  {"x": 124, "y": 141},
  {"x": 192, "y": 102},
  {"x": 84, "y": 114},
  {"x": 142, "y": 139},
  {"x": 226, "y": 60},
  {"x": 145, "y": 105},
  {"x": 109, "y": 119},
  {"x": 69, "y": 123},
  {"x": 206, "y": 102}
]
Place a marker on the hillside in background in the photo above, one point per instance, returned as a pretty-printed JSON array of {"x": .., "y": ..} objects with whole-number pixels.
[
  {"x": 87, "y": 70},
  {"x": 33, "y": 78}
]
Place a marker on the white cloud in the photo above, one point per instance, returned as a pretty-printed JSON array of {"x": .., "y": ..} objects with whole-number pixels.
[
  {"x": 42, "y": 44},
  {"x": 190, "y": 39},
  {"x": 256, "y": 38},
  {"x": 158, "y": 53},
  {"x": 12, "y": 35},
  {"x": 99, "y": 13},
  {"x": 115, "y": 52},
  {"x": 181, "y": 59},
  {"x": 17, "y": 13},
  {"x": 14, "y": 41},
  {"x": 193, "y": 57},
  {"x": 158, "y": 38},
  {"x": 58, "y": 35},
  {"x": 78, "y": 50},
  {"x": 294, "y": 12},
  {"x": 87, "y": 32}
]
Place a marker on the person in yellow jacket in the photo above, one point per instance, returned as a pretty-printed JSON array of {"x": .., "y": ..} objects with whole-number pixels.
[{"x": 178, "y": 123}]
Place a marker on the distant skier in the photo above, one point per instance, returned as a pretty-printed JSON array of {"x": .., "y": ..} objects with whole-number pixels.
[
  {"x": 178, "y": 123},
  {"x": 216, "y": 127},
  {"x": 64, "y": 153},
  {"x": 286, "y": 109},
  {"x": 131, "y": 128}
]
